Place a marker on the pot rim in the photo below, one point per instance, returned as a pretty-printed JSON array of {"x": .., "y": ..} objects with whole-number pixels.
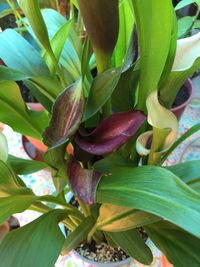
[
  {"x": 189, "y": 86},
  {"x": 103, "y": 264}
]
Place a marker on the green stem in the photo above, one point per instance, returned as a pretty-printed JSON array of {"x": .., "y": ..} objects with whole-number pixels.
[
  {"x": 85, "y": 208},
  {"x": 57, "y": 6},
  {"x": 107, "y": 109}
]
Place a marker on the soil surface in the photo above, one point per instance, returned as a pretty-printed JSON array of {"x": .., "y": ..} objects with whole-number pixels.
[
  {"x": 101, "y": 253},
  {"x": 181, "y": 97}
]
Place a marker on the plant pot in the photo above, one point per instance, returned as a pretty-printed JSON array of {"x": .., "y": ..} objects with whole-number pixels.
[
  {"x": 165, "y": 262},
  {"x": 84, "y": 262},
  {"x": 178, "y": 111}
]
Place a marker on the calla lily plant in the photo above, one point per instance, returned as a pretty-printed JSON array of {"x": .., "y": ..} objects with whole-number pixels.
[{"x": 108, "y": 96}]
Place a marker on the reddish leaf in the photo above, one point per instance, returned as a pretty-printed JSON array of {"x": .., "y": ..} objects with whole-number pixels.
[
  {"x": 83, "y": 182},
  {"x": 66, "y": 117},
  {"x": 101, "y": 19},
  {"x": 112, "y": 133}
]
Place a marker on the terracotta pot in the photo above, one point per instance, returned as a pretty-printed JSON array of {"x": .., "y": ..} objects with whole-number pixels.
[
  {"x": 165, "y": 262},
  {"x": 178, "y": 111}
]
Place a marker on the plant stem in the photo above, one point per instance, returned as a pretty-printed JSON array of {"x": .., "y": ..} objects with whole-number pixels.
[
  {"x": 57, "y": 5},
  {"x": 106, "y": 109},
  {"x": 85, "y": 208}
]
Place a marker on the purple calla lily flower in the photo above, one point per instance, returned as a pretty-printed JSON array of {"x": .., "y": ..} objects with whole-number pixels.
[{"x": 112, "y": 133}]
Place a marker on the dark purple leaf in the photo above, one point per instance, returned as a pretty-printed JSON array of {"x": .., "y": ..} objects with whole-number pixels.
[
  {"x": 112, "y": 133},
  {"x": 66, "y": 117},
  {"x": 83, "y": 182},
  {"x": 101, "y": 19}
]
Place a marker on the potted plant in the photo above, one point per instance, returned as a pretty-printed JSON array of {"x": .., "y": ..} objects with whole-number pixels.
[{"x": 119, "y": 125}]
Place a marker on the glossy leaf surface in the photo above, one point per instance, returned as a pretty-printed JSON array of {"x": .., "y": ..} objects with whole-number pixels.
[
  {"x": 18, "y": 54},
  {"x": 112, "y": 133},
  {"x": 181, "y": 248},
  {"x": 41, "y": 237},
  {"x": 133, "y": 244},
  {"x": 102, "y": 88},
  {"x": 15, "y": 113},
  {"x": 66, "y": 117},
  {"x": 116, "y": 218},
  {"x": 147, "y": 188},
  {"x": 154, "y": 25},
  {"x": 24, "y": 166},
  {"x": 3, "y": 147},
  {"x": 78, "y": 235}
]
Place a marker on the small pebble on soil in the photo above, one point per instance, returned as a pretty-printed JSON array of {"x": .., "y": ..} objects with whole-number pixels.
[{"x": 101, "y": 253}]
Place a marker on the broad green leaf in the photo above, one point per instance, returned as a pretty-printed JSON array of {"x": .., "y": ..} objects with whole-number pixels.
[
  {"x": 187, "y": 61},
  {"x": 9, "y": 184},
  {"x": 18, "y": 54},
  {"x": 78, "y": 235},
  {"x": 12, "y": 74},
  {"x": 40, "y": 94},
  {"x": 41, "y": 237},
  {"x": 123, "y": 96},
  {"x": 147, "y": 188},
  {"x": 15, "y": 113},
  {"x": 50, "y": 87},
  {"x": 23, "y": 166},
  {"x": 102, "y": 88},
  {"x": 55, "y": 157},
  {"x": 57, "y": 44},
  {"x": 3, "y": 147},
  {"x": 184, "y": 25},
  {"x": 154, "y": 21},
  {"x": 102, "y": 28},
  {"x": 126, "y": 22},
  {"x": 116, "y": 218},
  {"x": 133, "y": 244},
  {"x": 66, "y": 117},
  {"x": 14, "y": 204},
  {"x": 188, "y": 172},
  {"x": 190, "y": 132},
  {"x": 184, "y": 3},
  {"x": 181, "y": 248},
  {"x": 32, "y": 11}
]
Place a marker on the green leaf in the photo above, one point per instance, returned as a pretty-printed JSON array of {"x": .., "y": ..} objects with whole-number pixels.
[
  {"x": 188, "y": 172},
  {"x": 9, "y": 184},
  {"x": 184, "y": 25},
  {"x": 102, "y": 88},
  {"x": 66, "y": 117},
  {"x": 41, "y": 237},
  {"x": 124, "y": 94},
  {"x": 32, "y": 11},
  {"x": 18, "y": 54},
  {"x": 23, "y": 166},
  {"x": 133, "y": 244},
  {"x": 190, "y": 132},
  {"x": 15, "y": 113},
  {"x": 12, "y": 74},
  {"x": 154, "y": 21},
  {"x": 3, "y": 147},
  {"x": 78, "y": 235},
  {"x": 116, "y": 218},
  {"x": 57, "y": 44},
  {"x": 126, "y": 22},
  {"x": 181, "y": 248},
  {"x": 147, "y": 188},
  {"x": 184, "y": 3},
  {"x": 14, "y": 204}
]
